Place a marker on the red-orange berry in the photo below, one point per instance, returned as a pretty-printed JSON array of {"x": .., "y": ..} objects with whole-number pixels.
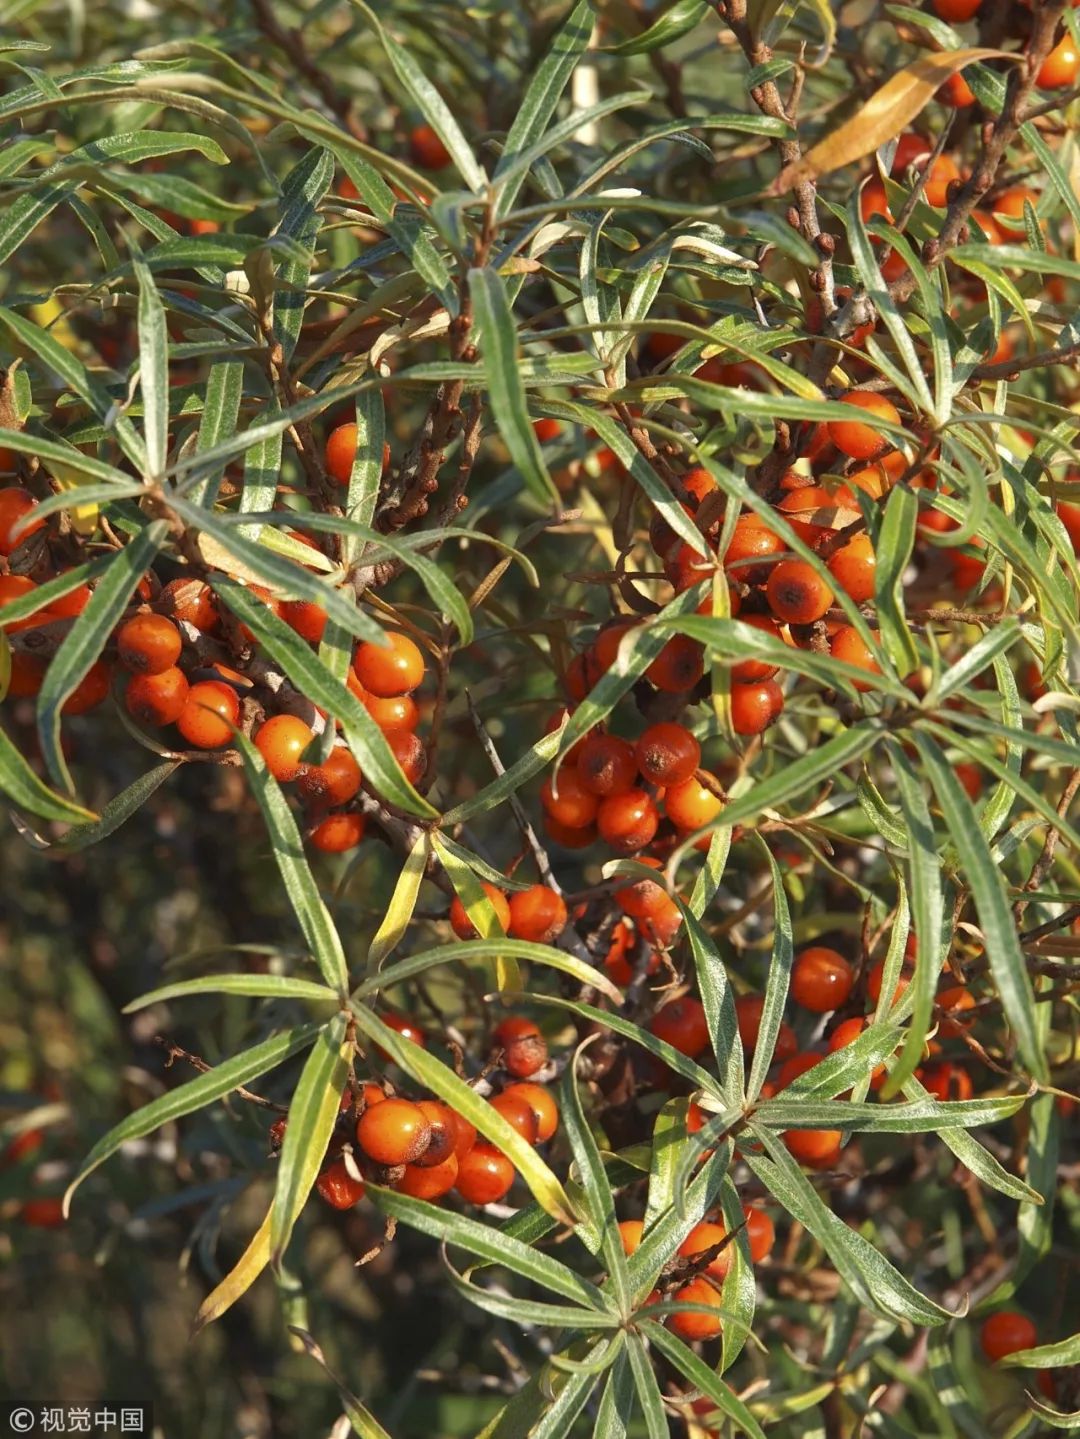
[
  {"x": 442, "y": 1140},
  {"x": 543, "y": 1106},
  {"x": 337, "y": 1186},
  {"x": 518, "y": 1113},
  {"x": 334, "y": 782},
  {"x": 752, "y": 543},
  {"x": 956, "y": 92},
  {"x": 849, "y": 647},
  {"x": 407, "y": 1027},
  {"x": 682, "y": 1024},
  {"x": 693, "y": 1325},
  {"x": 704, "y": 1236},
  {"x": 395, "y": 668},
  {"x": 397, "y": 712},
  {"x": 748, "y": 1011},
  {"x": 606, "y": 648},
  {"x": 945, "y": 1081},
  {"x": 567, "y": 800},
  {"x": 485, "y": 1175},
  {"x": 524, "y": 1047},
  {"x": 547, "y": 430},
  {"x": 16, "y": 587},
  {"x": 691, "y": 804},
  {"x": 394, "y": 1132},
  {"x": 282, "y": 741},
  {"x": 796, "y": 592},
  {"x": 44, "y": 1213},
  {"x": 147, "y": 644},
  {"x": 463, "y": 926},
  {"x": 678, "y": 666},
  {"x": 537, "y": 914},
  {"x": 569, "y": 836},
  {"x": 339, "y": 832},
  {"x": 667, "y": 754},
  {"x": 306, "y": 618},
  {"x": 16, "y": 502},
  {"x": 630, "y": 1232},
  {"x": 816, "y": 1148},
  {"x": 157, "y": 699},
  {"x": 627, "y": 821},
  {"x": 340, "y": 453},
  {"x": 209, "y": 716},
  {"x": 821, "y": 979},
  {"x": 760, "y": 1233},
  {"x": 857, "y": 438},
  {"x": 956, "y": 11},
  {"x": 1060, "y": 68},
  {"x": 875, "y": 979},
  {"x": 1005, "y": 1333},
  {"x": 429, "y": 1183},
  {"x": 190, "y": 601},
  {"x": 853, "y": 567},
  {"x": 427, "y": 150},
  {"x": 607, "y": 765},
  {"x": 750, "y": 671},
  {"x": 91, "y": 690},
  {"x": 408, "y": 750},
  {"x": 953, "y": 1001},
  {"x": 755, "y": 707}
]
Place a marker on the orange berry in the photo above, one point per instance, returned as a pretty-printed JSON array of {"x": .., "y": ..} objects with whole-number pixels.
[
  {"x": 848, "y": 646},
  {"x": 463, "y": 926},
  {"x": 606, "y": 647},
  {"x": 427, "y": 150},
  {"x": 691, "y": 805},
  {"x": 394, "y": 1132},
  {"x": 209, "y": 716},
  {"x": 692, "y": 1325},
  {"x": 630, "y": 1232},
  {"x": 945, "y": 1081},
  {"x": 524, "y": 1047},
  {"x": 16, "y": 502},
  {"x": 91, "y": 690},
  {"x": 703, "y": 1236},
  {"x": 954, "y": 1000},
  {"x": 395, "y": 668},
  {"x": 44, "y": 1213},
  {"x": 797, "y": 594},
  {"x": 157, "y": 699},
  {"x": 970, "y": 777},
  {"x": 190, "y": 601},
  {"x": 306, "y": 618},
  {"x": 628, "y": 821},
  {"x": 860, "y": 440},
  {"x": 956, "y": 92},
  {"x": 607, "y": 765},
  {"x": 433, "y": 1183},
  {"x": 543, "y": 1106},
  {"x": 485, "y": 1175},
  {"x": 569, "y": 836},
  {"x": 407, "y": 1027},
  {"x": 821, "y": 979},
  {"x": 816, "y": 1148},
  {"x": 875, "y": 979},
  {"x": 518, "y": 1113},
  {"x": 667, "y": 754},
  {"x": 1005, "y": 1333},
  {"x": 72, "y": 604},
  {"x": 547, "y": 430},
  {"x": 682, "y": 1024},
  {"x": 814, "y": 502},
  {"x": 281, "y": 741},
  {"x": 147, "y": 644},
  {"x": 442, "y": 1141},
  {"x": 15, "y": 587},
  {"x": 678, "y": 666},
  {"x": 334, "y": 782},
  {"x": 872, "y": 201},
  {"x": 27, "y": 675},
  {"x": 755, "y": 707},
  {"x": 339, "y": 832},
  {"x": 1060, "y": 68},
  {"x": 537, "y": 914},
  {"x": 752, "y": 542},
  {"x": 573, "y": 805},
  {"x": 751, "y": 670},
  {"x": 760, "y": 1233},
  {"x": 748, "y": 1011},
  {"x": 337, "y": 1186},
  {"x": 397, "y": 712},
  {"x": 853, "y": 567},
  {"x": 340, "y": 453},
  {"x": 409, "y": 752}
]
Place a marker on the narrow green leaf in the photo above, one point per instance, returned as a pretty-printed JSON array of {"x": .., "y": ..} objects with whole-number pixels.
[
  {"x": 23, "y": 788},
  {"x": 258, "y": 986},
  {"x": 153, "y": 371},
  {"x": 777, "y": 983},
  {"x": 596, "y": 1190}
]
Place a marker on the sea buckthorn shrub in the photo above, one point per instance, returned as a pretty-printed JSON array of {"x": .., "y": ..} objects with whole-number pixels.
[{"x": 563, "y": 519}]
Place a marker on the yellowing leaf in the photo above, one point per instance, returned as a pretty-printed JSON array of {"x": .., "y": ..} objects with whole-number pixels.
[
  {"x": 884, "y": 116},
  {"x": 402, "y": 903},
  {"x": 239, "y": 1279}
]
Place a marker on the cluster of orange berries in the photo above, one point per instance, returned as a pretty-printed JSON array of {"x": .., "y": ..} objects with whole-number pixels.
[
  {"x": 704, "y": 1259},
  {"x": 1057, "y": 72},
  {"x": 425, "y": 1148},
  {"x": 41, "y": 1211}
]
